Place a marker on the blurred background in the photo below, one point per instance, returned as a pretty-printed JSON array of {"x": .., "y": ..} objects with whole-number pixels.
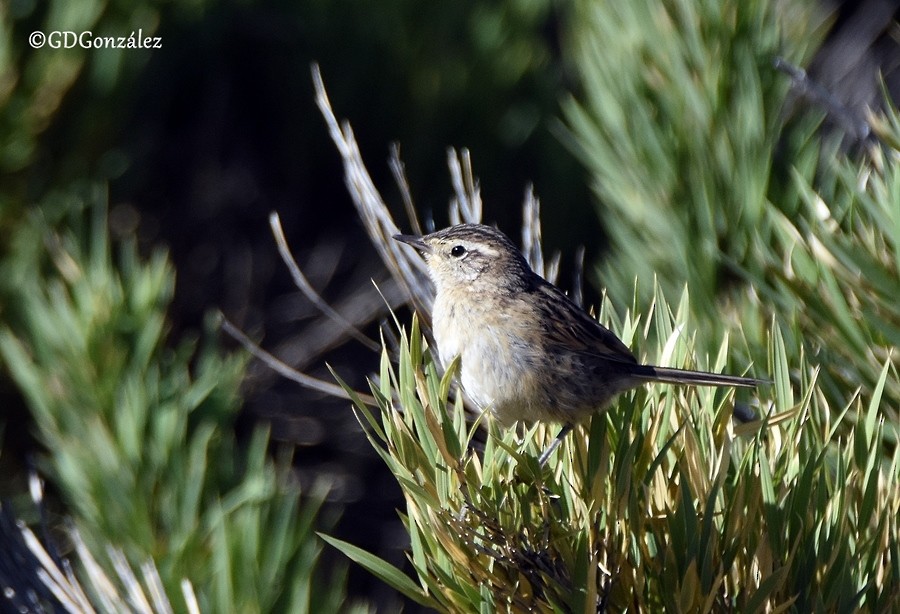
[{"x": 197, "y": 142}]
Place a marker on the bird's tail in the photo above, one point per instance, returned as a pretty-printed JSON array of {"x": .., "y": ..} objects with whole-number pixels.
[{"x": 668, "y": 375}]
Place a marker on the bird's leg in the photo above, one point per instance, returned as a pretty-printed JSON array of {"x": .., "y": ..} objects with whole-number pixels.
[{"x": 545, "y": 455}]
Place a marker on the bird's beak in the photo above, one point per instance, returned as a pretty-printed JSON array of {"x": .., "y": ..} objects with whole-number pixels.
[{"x": 415, "y": 241}]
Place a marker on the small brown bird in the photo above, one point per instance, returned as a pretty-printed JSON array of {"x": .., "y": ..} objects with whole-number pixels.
[{"x": 527, "y": 351}]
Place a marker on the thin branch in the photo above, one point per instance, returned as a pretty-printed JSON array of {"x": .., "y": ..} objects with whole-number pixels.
[
  {"x": 285, "y": 370},
  {"x": 466, "y": 204},
  {"x": 404, "y": 263},
  {"x": 399, "y": 171},
  {"x": 531, "y": 231},
  {"x": 854, "y": 125},
  {"x": 309, "y": 292}
]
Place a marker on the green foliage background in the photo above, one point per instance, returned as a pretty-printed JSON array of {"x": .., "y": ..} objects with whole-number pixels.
[
  {"x": 706, "y": 185},
  {"x": 138, "y": 433}
]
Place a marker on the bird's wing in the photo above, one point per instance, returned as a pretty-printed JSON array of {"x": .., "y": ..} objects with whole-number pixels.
[{"x": 572, "y": 328}]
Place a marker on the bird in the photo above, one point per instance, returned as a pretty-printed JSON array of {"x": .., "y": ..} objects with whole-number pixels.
[{"x": 527, "y": 351}]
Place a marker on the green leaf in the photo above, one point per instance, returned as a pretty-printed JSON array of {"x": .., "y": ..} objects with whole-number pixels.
[
  {"x": 383, "y": 570},
  {"x": 770, "y": 584},
  {"x": 875, "y": 402}
]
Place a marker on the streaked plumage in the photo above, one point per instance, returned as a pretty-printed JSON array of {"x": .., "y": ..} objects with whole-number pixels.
[{"x": 527, "y": 351}]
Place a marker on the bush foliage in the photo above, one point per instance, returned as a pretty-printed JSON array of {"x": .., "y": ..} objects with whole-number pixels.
[
  {"x": 661, "y": 502},
  {"x": 138, "y": 434},
  {"x": 702, "y": 181}
]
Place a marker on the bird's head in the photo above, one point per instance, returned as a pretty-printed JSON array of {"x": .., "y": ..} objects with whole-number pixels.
[{"x": 471, "y": 255}]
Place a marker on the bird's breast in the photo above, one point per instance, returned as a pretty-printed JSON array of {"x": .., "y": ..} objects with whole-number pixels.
[{"x": 498, "y": 368}]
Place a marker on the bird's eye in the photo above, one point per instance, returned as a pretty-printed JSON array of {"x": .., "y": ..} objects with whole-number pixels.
[{"x": 458, "y": 251}]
